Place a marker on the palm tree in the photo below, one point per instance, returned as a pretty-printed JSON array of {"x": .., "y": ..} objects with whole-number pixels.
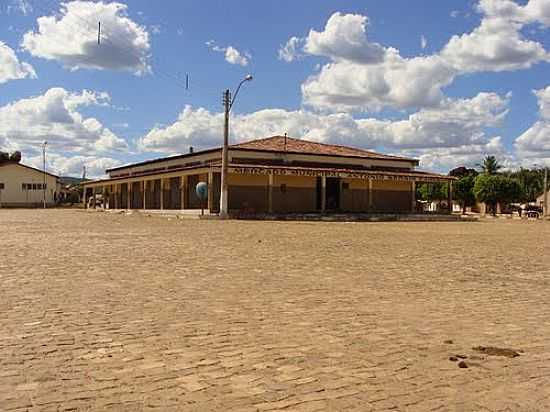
[{"x": 490, "y": 165}]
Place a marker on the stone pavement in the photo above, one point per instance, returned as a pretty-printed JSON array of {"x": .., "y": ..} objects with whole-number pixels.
[{"x": 103, "y": 311}]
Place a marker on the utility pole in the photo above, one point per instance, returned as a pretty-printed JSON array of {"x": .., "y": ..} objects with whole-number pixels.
[
  {"x": 44, "y": 174},
  {"x": 225, "y": 155},
  {"x": 227, "y": 105},
  {"x": 545, "y": 198}
]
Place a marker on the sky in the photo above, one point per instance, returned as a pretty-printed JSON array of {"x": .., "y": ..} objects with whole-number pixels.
[{"x": 446, "y": 82}]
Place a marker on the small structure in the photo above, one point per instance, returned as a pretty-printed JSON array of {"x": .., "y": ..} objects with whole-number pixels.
[
  {"x": 25, "y": 186},
  {"x": 275, "y": 175}
]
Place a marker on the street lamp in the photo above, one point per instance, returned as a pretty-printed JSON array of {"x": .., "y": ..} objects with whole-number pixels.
[
  {"x": 44, "y": 174},
  {"x": 228, "y": 104}
]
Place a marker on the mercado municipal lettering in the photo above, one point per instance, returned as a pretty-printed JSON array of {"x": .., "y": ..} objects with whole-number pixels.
[
  {"x": 277, "y": 174},
  {"x": 332, "y": 173}
]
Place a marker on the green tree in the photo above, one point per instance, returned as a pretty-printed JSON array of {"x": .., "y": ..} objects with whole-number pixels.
[
  {"x": 490, "y": 165},
  {"x": 493, "y": 189},
  {"x": 432, "y": 192},
  {"x": 531, "y": 181},
  {"x": 463, "y": 191}
]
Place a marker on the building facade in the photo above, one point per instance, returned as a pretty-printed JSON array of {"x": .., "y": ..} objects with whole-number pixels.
[
  {"x": 275, "y": 175},
  {"x": 25, "y": 186}
]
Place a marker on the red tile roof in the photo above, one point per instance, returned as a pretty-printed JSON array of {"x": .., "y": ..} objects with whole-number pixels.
[{"x": 292, "y": 145}]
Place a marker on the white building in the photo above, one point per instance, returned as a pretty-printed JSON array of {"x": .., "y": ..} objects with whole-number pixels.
[{"x": 25, "y": 186}]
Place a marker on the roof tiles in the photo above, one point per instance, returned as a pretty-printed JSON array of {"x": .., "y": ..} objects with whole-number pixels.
[{"x": 292, "y": 145}]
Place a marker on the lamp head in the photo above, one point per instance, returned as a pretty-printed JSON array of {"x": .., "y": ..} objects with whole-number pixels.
[{"x": 248, "y": 77}]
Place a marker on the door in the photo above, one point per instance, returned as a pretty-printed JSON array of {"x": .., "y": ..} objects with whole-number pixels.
[{"x": 333, "y": 193}]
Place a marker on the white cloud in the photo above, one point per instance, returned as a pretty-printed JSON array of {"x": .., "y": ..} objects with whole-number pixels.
[
  {"x": 11, "y": 68},
  {"x": 232, "y": 55},
  {"x": 423, "y": 42},
  {"x": 396, "y": 82},
  {"x": 54, "y": 117},
  {"x": 291, "y": 50},
  {"x": 496, "y": 45},
  {"x": 447, "y": 158},
  {"x": 365, "y": 76},
  {"x": 453, "y": 124},
  {"x": 202, "y": 129},
  {"x": 344, "y": 38},
  {"x": 543, "y": 96},
  {"x": 73, "y": 165},
  {"x": 535, "y": 141},
  {"x": 21, "y": 6},
  {"x": 71, "y": 38},
  {"x": 533, "y": 11}
]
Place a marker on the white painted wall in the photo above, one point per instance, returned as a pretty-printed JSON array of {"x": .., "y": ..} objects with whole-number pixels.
[{"x": 13, "y": 176}]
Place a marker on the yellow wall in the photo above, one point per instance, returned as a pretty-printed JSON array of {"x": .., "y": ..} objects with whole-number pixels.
[
  {"x": 357, "y": 184},
  {"x": 295, "y": 181},
  {"x": 247, "y": 180}
]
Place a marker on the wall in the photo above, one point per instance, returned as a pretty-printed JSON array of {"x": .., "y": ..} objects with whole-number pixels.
[
  {"x": 248, "y": 193},
  {"x": 13, "y": 176},
  {"x": 391, "y": 196},
  {"x": 298, "y": 194},
  {"x": 182, "y": 161},
  {"x": 356, "y": 197}
]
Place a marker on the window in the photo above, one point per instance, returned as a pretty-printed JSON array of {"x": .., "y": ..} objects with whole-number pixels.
[
  {"x": 23, "y": 186},
  {"x": 34, "y": 186},
  {"x": 1, "y": 186}
]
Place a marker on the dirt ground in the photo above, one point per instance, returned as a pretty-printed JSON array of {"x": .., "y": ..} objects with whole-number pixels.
[{"x": 102, "y": 311}]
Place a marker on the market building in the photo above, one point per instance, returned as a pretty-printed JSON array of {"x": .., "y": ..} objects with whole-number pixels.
[{"x": 274, "y": 175}]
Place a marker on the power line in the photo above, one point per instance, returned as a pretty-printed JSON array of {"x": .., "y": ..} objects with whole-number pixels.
[{"x": 104, "y": 35}]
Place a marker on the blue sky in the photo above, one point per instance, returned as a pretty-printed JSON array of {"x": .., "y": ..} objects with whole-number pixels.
[{"x": 388, "y": 76}]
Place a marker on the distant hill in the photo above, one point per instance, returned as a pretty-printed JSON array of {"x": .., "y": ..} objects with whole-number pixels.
[{"x": 68, "y": 180}]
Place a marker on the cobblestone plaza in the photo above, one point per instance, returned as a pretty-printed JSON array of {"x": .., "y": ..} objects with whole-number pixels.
[{"x": 104, "y": 311}]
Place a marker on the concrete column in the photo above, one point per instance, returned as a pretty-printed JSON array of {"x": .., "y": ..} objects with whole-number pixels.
[
  {"x": 183, "y": 186},
  {"x": 413, "y": 197},
  {"x": 323, "y": 194},
  {"x": 270, "y": 183},
  {"x": 210, "y": 205},
  {"x": 341, "y": 195},
  {"x": 161, "y": 194},
  {"x": 115, "y": 196},
  {"x": 104, "y": 195},
  {"x": 144, "y": 193},
  {"x": 371, "y": 196},
  {"x": 129, "y": 195},
  {"x": 85, "y": 198},
  {"x": 450, "y": 197},
  {"x": 95, "y": 198}
]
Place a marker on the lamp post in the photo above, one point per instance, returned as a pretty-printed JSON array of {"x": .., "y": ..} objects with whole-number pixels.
[
  {"x": 545, "y": 198},
  {"x": 44, "y": 174},
  {"x": 227, "y": 104}
]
